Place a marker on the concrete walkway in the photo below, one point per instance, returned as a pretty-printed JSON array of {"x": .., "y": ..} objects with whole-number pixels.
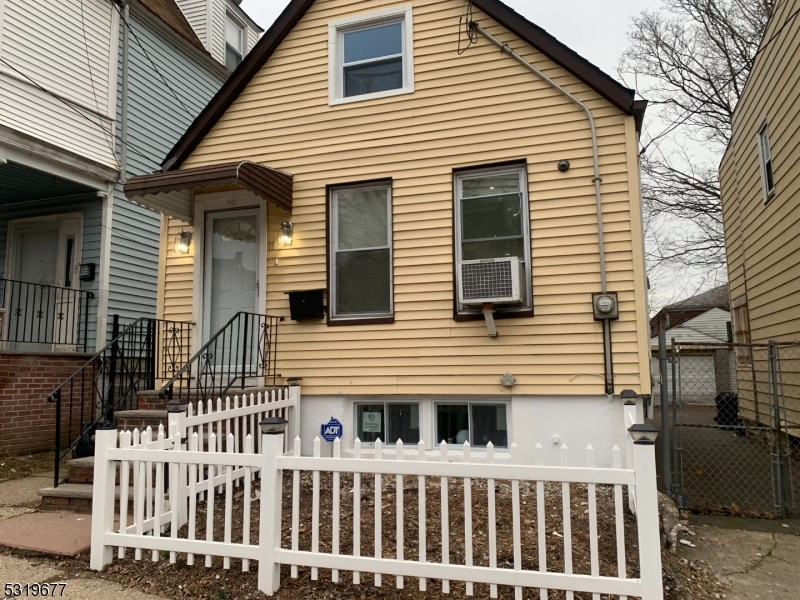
[
  {"x": 17, "y": 498},
  {"x": 760, "y": 559},
  {"x": 41, "y": 570}
]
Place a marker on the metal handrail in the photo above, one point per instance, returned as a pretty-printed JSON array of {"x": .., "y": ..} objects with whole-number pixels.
[
  {"x": 262, "y": 346},
  {"x": 111, "y": 379},
  {"x": 46, "y": 299}
]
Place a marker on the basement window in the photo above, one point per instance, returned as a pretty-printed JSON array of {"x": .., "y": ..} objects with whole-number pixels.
[
  {"x": 477, "y": 424},
  {"x": 388, "y": 422},
  {"x": 765, "y": 156},
  {"x": 371, "y": 56}
]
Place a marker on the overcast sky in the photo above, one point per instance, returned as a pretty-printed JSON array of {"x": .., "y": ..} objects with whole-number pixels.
[{"x": 595, "y": 29}]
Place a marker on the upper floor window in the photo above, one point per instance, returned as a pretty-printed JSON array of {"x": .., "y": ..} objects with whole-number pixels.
[
  {"x": 360, "y": 285},
  {"x": 371, "y": 56},
  {"x": 765, "y": 156},
  {"x": 234, "y": 43},
  {"x": 491, "y": 211}
]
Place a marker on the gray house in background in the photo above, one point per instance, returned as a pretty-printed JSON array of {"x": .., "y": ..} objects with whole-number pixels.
[
  {"x": 125, "y": 81},
  {"x": 91, "y": 92}
]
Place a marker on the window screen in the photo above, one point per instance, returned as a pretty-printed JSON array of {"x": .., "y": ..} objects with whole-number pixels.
[
  {"x": 373, "y": 59},
  {"x": 492, "y": 217},
  {"x": 361, "y": 241},
  {"x": 234, "y": 46}
]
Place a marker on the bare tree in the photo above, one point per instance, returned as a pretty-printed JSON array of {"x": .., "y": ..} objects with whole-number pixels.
[{"x": 692, "y": 58}]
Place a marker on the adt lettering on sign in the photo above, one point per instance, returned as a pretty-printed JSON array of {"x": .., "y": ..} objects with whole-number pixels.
[{"x": 331, "y": 430}]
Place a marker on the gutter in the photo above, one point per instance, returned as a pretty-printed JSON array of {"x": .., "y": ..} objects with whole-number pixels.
[
  {"x": 608, "y": 362},
  {"x": 123, "y": 126}
]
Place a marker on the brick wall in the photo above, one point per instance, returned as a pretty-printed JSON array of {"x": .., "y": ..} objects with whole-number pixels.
[{"x": 27, "y": 419}]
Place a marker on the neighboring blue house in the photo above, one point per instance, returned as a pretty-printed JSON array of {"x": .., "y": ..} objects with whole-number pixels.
[{"x": 93, "y": 92}]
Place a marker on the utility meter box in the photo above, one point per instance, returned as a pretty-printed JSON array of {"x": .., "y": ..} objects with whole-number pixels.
[{"x": 606, "y": 307}]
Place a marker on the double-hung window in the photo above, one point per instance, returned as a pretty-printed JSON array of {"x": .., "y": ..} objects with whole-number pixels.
[
  {"x": 765, "y": 156},
  {"x": 371, "y": 56},
  {"x": 234, "y": 43},
  {"x": 361, "y": 252},
  {"x": 491, "y": 212}
]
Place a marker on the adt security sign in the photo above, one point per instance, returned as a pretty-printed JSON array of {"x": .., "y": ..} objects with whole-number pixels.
[{"x": 331, "y": 430}]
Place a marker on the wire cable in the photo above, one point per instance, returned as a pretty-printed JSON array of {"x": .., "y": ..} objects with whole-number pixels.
[
  {"x": 464, "y": 25},
  {"x": 73, "y": 108},
  {"x": 149, "y": 58}
]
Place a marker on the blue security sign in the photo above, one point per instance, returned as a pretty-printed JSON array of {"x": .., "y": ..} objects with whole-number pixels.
[{"x": 331, "y": 430}]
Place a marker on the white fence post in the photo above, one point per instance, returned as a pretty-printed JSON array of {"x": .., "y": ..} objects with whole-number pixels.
[
  {"x": 103, "y": 498},
  {"x": 648, "y": 521},
  {"x": 294, "y": 412},
  {"x": 269, "y": 539},
  {"x": 629, "y": 416},
  {"x": 176, "y": 422}
]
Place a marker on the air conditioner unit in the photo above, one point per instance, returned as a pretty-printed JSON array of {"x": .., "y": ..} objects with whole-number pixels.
[{"x": 495, "y": 281}]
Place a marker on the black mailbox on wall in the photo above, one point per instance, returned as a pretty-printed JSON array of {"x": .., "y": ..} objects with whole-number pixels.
[{"x": 306, "y": 305}]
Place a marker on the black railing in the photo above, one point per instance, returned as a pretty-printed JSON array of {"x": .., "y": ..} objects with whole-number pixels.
[
  {"x": 138, "y": 355},
  {"x": 34, "y": 313},
  {"x": 241, "y": 354}
]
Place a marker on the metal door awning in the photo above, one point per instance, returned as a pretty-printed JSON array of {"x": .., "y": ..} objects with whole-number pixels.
[{"x": 172, "y": 192}]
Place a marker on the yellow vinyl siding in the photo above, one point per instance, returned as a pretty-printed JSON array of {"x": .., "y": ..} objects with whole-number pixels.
[
  {"x": 470, "y": 110},
  {"x": 762, "y": 241}
]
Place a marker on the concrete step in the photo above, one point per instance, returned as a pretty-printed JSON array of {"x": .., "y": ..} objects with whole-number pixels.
[
  {"x": 70, "y": 497},
  {"x": 140, "y": 419}
]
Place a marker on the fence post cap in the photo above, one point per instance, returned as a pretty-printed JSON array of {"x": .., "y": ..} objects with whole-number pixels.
[
  {"x": 629, "y": 396},
  {"x": 176, "y": 405},
  {"x": 643, "y": 433}
]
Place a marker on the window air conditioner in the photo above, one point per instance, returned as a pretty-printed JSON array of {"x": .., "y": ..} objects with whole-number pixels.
[{"x": 495, "y": 281}]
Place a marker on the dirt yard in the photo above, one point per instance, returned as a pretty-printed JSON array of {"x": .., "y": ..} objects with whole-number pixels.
[{"x": 683, "y": 579}]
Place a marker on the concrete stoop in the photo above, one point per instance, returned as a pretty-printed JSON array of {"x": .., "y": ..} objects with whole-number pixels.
[{"x": 71, "y": 497}]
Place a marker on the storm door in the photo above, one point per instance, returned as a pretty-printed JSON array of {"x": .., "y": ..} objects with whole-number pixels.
[
  {"x": 40, "y": 298},
  {"x": 231, "y": 285}
]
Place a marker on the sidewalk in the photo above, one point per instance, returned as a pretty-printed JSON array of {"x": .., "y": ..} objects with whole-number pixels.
[
  {"x": 759, "y": 559},
  {"x": 18, "y": 497}
]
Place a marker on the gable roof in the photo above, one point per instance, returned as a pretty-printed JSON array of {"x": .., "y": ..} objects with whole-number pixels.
[
  {"x": 602, "y": 83},
  {"x": 715, "y": 297},
  {"x": 168, "y": 12}
]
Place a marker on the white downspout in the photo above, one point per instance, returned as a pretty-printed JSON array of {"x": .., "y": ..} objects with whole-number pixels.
[{"x": 609, "y": 377}]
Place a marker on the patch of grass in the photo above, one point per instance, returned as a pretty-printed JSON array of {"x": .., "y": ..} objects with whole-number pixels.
[
  {"x": 220, "y": 595},
  {"x": 17, "y": 467}
]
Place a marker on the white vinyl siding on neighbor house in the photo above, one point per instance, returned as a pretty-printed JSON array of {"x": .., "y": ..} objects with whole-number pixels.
[
  {"x": 51, "y": 50},
  {"x": 371, "y": 56},
  {"x": 196, "y": 13},
  {"x": 156, "y": 120}
]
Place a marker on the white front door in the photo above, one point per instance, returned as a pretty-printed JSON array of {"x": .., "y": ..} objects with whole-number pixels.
[
  {"x": 42, "y": 254},
  {"x": 231, "y": 267}
]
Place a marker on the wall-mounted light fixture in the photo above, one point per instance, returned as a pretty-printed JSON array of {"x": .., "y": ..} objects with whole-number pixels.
[
  {"x": 182, "y": 242},
  {"x": 286, "y": 233}
]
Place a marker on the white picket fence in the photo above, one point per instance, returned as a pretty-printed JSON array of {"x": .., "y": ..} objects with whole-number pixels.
[{"x": 194, "y": 471}]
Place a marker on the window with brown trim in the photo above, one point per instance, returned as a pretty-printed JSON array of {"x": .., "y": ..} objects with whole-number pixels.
[
  {"x": 492, "y": 222},
  {"x": 360, "y": 244}
]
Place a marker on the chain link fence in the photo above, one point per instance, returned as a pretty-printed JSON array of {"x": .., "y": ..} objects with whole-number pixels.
[{"x": 734, "y": 411}]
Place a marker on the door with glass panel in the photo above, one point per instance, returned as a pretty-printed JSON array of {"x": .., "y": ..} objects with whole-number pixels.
[{"x": 231, "y": 285}]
